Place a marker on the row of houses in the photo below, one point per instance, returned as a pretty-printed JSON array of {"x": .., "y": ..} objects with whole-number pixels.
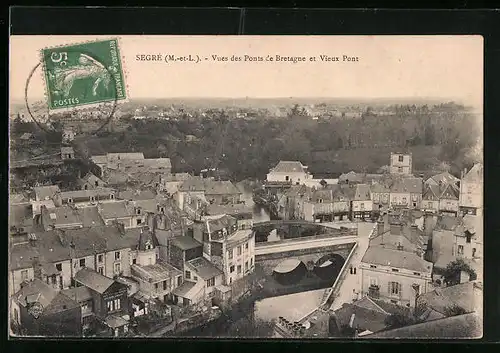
[
  {"x": 366, "y": 195},
  {"x": 119, "y": 253}
]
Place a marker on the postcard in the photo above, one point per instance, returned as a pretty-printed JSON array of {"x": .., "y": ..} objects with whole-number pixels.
[{"x": 284, "y": 187}]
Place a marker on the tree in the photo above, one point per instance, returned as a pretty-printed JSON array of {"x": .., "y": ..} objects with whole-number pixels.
[
  {"x": 251, "y": 328},
  {"x": 454, "y": 310},
  {"x": 454, "y": 269}
]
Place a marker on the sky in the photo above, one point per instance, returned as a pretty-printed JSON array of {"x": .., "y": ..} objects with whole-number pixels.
[{"x": 448, "y": 67}]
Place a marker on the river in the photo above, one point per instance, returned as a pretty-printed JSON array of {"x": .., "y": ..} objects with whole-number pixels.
[{"x": 260, "y": 214}]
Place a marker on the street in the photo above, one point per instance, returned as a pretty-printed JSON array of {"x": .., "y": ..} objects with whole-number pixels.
[{"x": 353, "y": 281}]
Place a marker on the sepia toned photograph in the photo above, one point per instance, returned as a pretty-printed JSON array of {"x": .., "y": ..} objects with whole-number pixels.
[{"x": 287, "y": 187}]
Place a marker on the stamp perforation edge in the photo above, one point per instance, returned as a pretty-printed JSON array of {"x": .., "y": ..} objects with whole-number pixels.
[{"x": 122, "y": 66}]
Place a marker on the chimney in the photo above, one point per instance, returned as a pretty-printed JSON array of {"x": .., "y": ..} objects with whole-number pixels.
[{"x": 37, "y": 268}]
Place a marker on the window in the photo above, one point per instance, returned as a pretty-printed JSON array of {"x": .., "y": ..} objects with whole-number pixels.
[
  {"x": 59, "y": 267},
  {"x": 85, "y": 306},
  {"x": 467, "y": 238},
  {"x": 251, "y": 261},
  {"x": 460, "y": 250},
  {"x": 246, "y": 266},
  {"x": 320, "y": 200},
  {"x": 164, "y": 285},
  {"x": 96, "y": 183},
  {"x": 156, "y": 286},
  {"x": 373, "y": 266},
  {"x": 117, "y": 304},
  {"x": 231, "y": 269},
  {"x": 188, "y": 274},
  {"x": 101, "y": 270},
  {"x": 416, "y": 288},
  {"x": 70, "y": 200},
  {"x": 24, "y": 275},
  {"x": 416, "y": 273},
  {"x": 82, "y": 262},
  {"x": 395, "y": 270},
  {"x": 404, "y": 200},
  {"x": 230, "y": 254},
  {"x": 287, "y": 178},
  {"x": 239, "y": 250},
  {"x": 400, "y": 158},
  {"x": 134, "y": 261},
  {"x": 362, "y": 206},
  {"x": 117, "y": 268},
  {"x": 86, "y": 187},
  {"x": 239, "y": 269},
  {"x": 100, "y": 258},
  {"x": 111, "y": 196},
  {"x": 195, "y": 278},
  {"x": 139, "y": 221},
  {"x": 400, "y": 169},
  {"x": 92, "y": 198},
  {"x": 211, "y": 282},
  {"x": 394, "y": 288},
  {"x": 473, "y": 252},
  {"x": 246, "y": 246},
  {"x": 117, "y": 255},
  {"x": 138, "y": 211}
]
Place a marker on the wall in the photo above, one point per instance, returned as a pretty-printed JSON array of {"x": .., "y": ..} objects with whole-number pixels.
[
  {"x": 430, "y": 205},
  {"x": 247, "y": 255},
  {"x": 406, "y": 164},
  {"x": 362, "y": 206},
  {"x": 383, "y": 275},
  {"x": 293, "y": 177},
  {"x": 15, "y": 279},
  {"x": 448, "y": 205},
  {"x": 36, "y": 205},
  {"x": 471, "y": 194},
  {"x": 124, "y": 262},
  {"x": 400, "y": 199},
  {"x": 176, "y": 257}
]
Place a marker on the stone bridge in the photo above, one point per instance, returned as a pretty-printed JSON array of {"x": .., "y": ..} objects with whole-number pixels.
[{"x": 295, "y": 229}]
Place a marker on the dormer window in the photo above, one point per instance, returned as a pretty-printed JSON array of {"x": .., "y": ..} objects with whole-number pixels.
[
  {"x": 111, "y": 196},
  {"x": 70, "y": 200},
  {"x": 92, "y": 198},
  {"x": 138, "y": 211},
  {"x": 320, "y": 200},
  {"x": 149, "y": 246}
]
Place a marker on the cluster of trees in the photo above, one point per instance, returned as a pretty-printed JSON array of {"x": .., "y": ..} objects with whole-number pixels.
[{"x": 248, "y": 148}]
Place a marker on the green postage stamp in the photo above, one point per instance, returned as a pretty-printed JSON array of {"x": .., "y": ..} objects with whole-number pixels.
[{"x": 83, "y": 74}]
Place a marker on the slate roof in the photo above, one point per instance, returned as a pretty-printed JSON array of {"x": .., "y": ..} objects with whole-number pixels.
[
  {"x": 61, "y": 215},
  {"x": 407, "y": 185},
  {"x": 352, "y": 177},
  {"x": 93, "y": 280},
  {"x": 20, "y": 215},
  {"x": 125, "y": 156},
  {"x": 362, "y": 193},
  {"x": 118, "y": 209},
  {"x": 51, "y": 300},
  {"x": 431, "y": 192},
  {"x": 460, "y": 326},
  {"x": 79, "y": 294},
  {"x": 157, "y": 272},
  {"x": 222, "y": 187},
  {"x": 185, "y": 242},
  {"x": 289, "y": 167},
  {"x": 475, "y": 174},
  {"x": 446, "y": 222},
  {"x": 136, "y": 195},
  {"x": 445, "y": 178},
  {"x": 91, "y": 178},
  {"x": 364, "y": 318},
  {"x": 379, "y": 255},
  {"x": 84, "y": 194},
  {"x": 216, "y": 224},
  {"x": 193, "y": 184},
  {"x": 90, "y": 217},
  {"x": 466, "y": 295},
  {"x": 450, "y": 192},
  {"x": 235, "y": 210},
  {"x": 204, "y": 268},
  {"x": 46, "y": 192},
  {"x": 185, "y": 290}
]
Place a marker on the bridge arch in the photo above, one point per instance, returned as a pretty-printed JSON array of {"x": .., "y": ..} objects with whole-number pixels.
[
  {"x": 290, "y": 271},
  {"x": 329, "y": 266}
]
